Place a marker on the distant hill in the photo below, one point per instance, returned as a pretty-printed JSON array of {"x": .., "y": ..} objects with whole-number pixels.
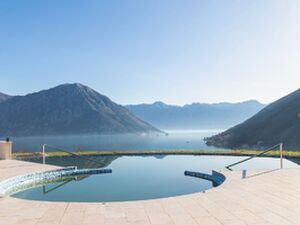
[
  {"x": 196, "y": 115},
  {"x": 278, "y": 122},
  {"x": 4, "y": 97},
  {"x": 67, "y": 109}
]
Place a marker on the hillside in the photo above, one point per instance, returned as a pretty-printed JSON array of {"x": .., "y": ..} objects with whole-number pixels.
[
  {"x": 67, "y": 109},
  {"x": 196, "y": 115},
  {"x": 4, "y": 97},
  {"x": 278, "y": 122}
]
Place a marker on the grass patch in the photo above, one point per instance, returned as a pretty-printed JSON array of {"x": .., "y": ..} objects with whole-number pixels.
[{"x": 239, "y": 152}]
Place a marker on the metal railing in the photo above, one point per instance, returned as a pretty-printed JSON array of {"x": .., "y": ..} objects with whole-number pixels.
[
  {"x": 280, "y": 145},
  {"x": 47, "y": 191},
  {"x": 62, "y": 150}
]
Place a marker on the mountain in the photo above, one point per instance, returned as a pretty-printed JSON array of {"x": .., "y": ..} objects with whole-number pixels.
[
  {"x": 67, "y": 109},
  {"x": 196, "y": 115},
  {"x": 278, "y": 122},
  {"x": 4, "y": 97}
]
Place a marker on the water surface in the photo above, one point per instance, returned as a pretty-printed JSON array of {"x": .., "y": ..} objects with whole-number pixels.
[
  {"x": 176, "y": 139},
  {"x": 148, "y": 177}
]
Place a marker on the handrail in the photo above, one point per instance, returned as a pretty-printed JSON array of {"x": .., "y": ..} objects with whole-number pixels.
[
  {"x": 280, "y": 145},
  {"x": 62, "y": 150}
]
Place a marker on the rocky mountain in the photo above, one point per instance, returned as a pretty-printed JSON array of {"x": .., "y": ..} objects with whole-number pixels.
[
  {"x": 278, "y": 122},
  {"x": 4, "y": 97},
  {"x": 196, "y": 115},
  {"x": 67, "y": 109}
]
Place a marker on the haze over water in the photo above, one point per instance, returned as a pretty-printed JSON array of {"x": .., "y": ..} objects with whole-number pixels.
[{"x": 176, "y": 139}]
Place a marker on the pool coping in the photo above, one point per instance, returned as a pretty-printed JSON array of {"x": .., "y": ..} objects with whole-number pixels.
[{"x": 26, "y": 181}]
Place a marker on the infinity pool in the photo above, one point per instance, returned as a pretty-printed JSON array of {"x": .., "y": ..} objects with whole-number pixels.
[{"x": 139, "y": 178}]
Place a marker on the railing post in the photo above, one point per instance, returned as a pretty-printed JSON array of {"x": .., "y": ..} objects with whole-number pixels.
[
  {"x": 44, "y": 153},
  {"x": 260, "y": 154},
  {"x": 281, "y": 155}
]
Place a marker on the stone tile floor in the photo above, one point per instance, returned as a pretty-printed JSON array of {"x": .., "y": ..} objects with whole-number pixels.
[{"x": 264, "y": 197}]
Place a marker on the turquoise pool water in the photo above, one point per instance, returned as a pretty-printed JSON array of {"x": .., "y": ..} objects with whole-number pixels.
[{"x": 138, "y": 178}]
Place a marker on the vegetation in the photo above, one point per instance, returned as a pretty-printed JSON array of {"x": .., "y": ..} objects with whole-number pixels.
[
  {"x": 277, "y": 122},
  {"x": 274, "y": 153},
  {"x": 71, "y": 109}
]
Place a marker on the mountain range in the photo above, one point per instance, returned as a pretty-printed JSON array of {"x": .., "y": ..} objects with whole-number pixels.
[
  {"x": 278, "y": 122},
  {"x": 67, "y": 109},
  {"x": 78, "y": 109},
  {"x": 196, "y": 115}
]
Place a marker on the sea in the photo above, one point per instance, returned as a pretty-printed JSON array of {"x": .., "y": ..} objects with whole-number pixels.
[{"x": 172, "y": 140}]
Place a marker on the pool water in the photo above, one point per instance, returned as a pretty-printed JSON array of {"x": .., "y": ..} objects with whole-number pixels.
[{"x": 139, "y": 178}]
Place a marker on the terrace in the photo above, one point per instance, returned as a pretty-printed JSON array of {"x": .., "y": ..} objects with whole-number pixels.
[{"x": 264, "y": 197}]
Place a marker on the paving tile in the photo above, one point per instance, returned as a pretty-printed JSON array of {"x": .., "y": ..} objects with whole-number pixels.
[
  {"x": 72, "y": 219},
  {"x": 207, "y": 221},
  {"x": 159, "y": 218},
  {"x": 93, "y": 219},
  {"x": 183, "y": 219}
]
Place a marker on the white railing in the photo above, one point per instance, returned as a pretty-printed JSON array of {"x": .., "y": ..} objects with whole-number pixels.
[
  {"x": 68, "y": 152},
  {"x": 280, "y": 145}
]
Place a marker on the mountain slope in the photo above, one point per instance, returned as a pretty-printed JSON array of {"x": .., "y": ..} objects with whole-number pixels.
[
  {"x": 278, "y": 122},
  {"x": 67, "y": 109},
  {"x": 197, "y": 115},
  {"x": 4, "y": 97}
]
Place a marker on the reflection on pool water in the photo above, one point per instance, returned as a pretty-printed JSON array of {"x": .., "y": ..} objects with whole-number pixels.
[{"x": 137, "y": 178}]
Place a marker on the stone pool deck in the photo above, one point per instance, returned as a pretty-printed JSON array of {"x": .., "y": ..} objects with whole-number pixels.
[{"x": 264, "y": 197}]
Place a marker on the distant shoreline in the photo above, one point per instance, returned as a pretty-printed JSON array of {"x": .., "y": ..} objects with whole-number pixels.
[{"x": 275, "y": 153}]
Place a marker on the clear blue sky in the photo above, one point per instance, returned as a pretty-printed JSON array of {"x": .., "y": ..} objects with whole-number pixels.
[{"x": 142, "y": 51}]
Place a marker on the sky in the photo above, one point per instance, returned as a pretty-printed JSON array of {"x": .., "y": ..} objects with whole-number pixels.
[{"x": 141, "y": 51}]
